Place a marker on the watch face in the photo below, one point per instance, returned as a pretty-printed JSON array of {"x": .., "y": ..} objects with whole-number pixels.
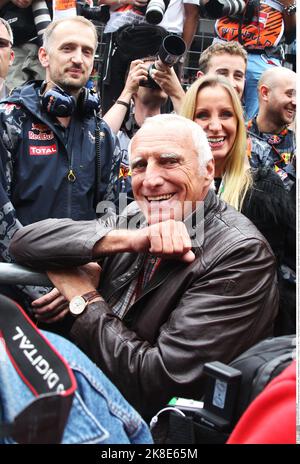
[{"x": 77, "y": 305}]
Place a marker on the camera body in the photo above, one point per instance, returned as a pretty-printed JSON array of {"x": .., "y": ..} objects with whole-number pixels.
[
  {"x": 154, "y": 10},
  {"x": 232, "y": 8},
  {"x": 171, "y": 50}
]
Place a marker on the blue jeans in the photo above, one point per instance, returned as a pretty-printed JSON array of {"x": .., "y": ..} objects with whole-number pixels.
[
  {"x": 99, "y": 413},
  {"x": 257, "y": 64}
]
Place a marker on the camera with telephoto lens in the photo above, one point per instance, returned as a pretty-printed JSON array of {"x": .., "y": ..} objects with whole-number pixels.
[
  {"x": 171, "y": 50},
  {"x": 230, "y": 8},
  {"x": 154, "y": 10}
]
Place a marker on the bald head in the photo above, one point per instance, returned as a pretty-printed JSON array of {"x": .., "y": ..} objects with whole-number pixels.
[
  {"x": 273, "y": 76},
  {"x": 277, "y": 98}
]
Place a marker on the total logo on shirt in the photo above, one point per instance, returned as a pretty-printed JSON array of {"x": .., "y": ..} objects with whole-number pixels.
[{"x": 42, "y": 150}]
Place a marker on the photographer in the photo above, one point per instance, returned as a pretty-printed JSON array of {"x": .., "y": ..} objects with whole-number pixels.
[
  {"x": 180, "y": 18},
  {"x": 259, "y": 25},
  {"x": 137, "y": 102}
]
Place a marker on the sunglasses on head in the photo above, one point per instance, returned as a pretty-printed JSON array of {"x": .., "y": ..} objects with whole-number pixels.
[{"x": 4, "y": 43}]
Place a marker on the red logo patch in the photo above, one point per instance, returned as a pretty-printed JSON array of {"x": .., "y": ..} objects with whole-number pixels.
[{"x": 40, "y": 151}]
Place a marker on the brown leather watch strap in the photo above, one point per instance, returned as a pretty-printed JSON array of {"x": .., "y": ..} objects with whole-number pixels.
[{"x": 90, "y": 295}]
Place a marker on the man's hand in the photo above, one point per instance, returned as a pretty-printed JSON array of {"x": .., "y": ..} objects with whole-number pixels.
[
  {"x": 115, "y": 115},
  {"x": 138, "y": 71},
  {"x": 72, "y": 282},
  {"x": 167, "y": 79},
  {"x": 53, "y": 307},
  {"x": 168, "y": 239}
]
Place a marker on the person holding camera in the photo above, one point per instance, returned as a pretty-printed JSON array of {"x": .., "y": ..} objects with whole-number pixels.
[
  {"x": 130, "y": 34},
  {"x": 185, "y": 279},
  {"x": 56, "y": 153},
  {"x": 144, "y": 95},
  {"x": 260, "y": 26}
]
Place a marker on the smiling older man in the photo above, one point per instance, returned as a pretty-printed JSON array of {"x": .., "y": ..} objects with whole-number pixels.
[{"x": 171, "y": 297}]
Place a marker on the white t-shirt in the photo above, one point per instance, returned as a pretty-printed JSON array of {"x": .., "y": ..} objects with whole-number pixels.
[{"x": 174, "y": 16}]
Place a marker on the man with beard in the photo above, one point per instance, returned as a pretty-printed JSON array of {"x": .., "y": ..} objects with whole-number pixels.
[
  {"x": 272, "y": 142},
  {"x": 49, "y": 135},
  {"x": 273, "y": 145}
]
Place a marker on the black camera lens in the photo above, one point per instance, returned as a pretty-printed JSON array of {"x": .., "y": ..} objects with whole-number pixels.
[{"x": 172, "y": 49}]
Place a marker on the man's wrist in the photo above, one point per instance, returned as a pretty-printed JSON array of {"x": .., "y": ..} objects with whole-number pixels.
[
  {"x": 116, "y": 241},
  {"x": 126, "y": 95},
  {"x": 72, "y": 292},
  {"x": 123, "y": 103},
  {"x": 123, "y": 239}
]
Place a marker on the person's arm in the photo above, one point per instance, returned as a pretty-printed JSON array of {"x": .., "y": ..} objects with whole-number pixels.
[
  {"x": 190, "y": 25},
  {"x": 53, "y": 306},
  {"x": 289, "y": 20},
  {"x": 47, "y": 244},
  {"x": 9, "y": 222},
  {"x": 217, "y": 317},
  {"x": 116, "y": 114}
]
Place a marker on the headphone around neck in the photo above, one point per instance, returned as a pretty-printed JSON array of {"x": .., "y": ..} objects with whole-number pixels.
[{"x": 59, "y": 103}]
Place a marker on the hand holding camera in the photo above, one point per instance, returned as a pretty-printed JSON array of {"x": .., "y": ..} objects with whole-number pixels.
[
  {"x": 138, "y": 72},
  {"x": 171, "y": 50}
]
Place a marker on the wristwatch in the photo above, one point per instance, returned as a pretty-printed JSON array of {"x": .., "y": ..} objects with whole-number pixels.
[{"x": 78, "y": 304}]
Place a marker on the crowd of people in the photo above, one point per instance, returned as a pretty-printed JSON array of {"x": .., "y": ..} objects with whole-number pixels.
[{"x": 165, "y": 219}]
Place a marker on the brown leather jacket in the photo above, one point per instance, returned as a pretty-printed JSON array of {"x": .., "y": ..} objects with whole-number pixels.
[{"x": 188, "y": 314}]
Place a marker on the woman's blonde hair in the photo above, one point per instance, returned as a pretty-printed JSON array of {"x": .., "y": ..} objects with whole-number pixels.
[{"x": 237, "y": 178}]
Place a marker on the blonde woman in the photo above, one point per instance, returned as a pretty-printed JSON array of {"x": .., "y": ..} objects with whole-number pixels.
[{"x": 214, "y": 104}]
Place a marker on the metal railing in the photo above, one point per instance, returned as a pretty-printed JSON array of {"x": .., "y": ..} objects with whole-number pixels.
[{"x": 16, "y": 274}]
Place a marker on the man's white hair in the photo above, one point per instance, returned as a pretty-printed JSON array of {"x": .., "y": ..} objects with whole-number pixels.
[{"x": 198, "y": 136}]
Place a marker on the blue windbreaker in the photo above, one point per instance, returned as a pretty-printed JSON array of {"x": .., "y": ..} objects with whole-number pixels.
[{"x": 48, "y": 171}]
